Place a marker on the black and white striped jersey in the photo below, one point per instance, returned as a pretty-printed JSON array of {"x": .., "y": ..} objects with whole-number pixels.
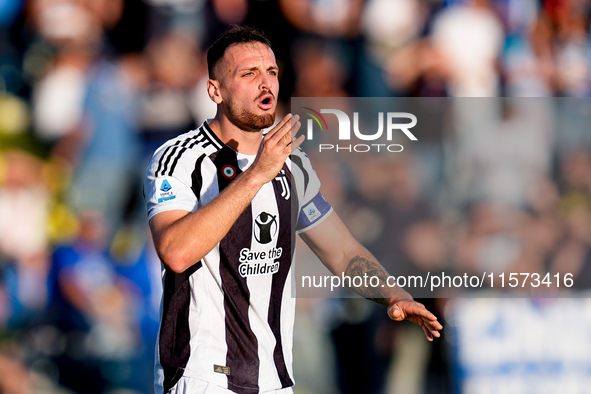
[{"x": 229, "y": 318}]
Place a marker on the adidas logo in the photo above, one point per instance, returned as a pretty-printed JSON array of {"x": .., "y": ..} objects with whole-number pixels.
[{"x": 221, "y": 369}]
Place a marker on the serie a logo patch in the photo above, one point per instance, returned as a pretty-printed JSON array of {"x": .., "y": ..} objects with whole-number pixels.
[
  {"x": 312, "y": 213},
  {"x": 165, "y": 186},
  {"x": 166, "y": 192}
]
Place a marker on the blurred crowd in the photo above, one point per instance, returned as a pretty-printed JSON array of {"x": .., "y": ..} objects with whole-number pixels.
[{"x": 90, "y": 88}]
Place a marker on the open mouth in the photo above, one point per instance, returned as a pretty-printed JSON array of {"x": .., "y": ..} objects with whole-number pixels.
[{"x": 266, "y": 102}]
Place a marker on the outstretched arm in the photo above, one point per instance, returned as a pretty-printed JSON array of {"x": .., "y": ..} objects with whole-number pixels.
[{"x": 332, "y": 242}]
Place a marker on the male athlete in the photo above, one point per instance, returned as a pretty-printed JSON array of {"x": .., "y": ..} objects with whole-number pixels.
[{"x": 219, "y": 203}]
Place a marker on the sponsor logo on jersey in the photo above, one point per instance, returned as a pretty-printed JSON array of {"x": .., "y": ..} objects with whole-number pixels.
[
  {"x": 265, "y": 227},
  {"x": 312, "y": 213},
  {"x": 262, "y": 262},
  {"x": 165, "y": 192},
  {"x": 221, "y": 369}
]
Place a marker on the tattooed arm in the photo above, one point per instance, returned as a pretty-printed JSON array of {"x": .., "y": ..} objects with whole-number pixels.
[
  {"x": 343, "y": 254},
  {"x": 360, "y": 266}
]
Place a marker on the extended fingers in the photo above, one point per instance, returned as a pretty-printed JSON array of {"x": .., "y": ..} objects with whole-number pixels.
[
  {"x": 288, "y": 128},
  {"x": 427, "y": 315},
  {"x": 427, "y": 332},
  {"x": 278, "y": 126},
  {"x": 291, "y": 135},
  {"x": 297, "y": 142},
  {"x": 429, "y": 320},
  {"x": 418, "y": 314},
  {"x": 431, "y": 329}
]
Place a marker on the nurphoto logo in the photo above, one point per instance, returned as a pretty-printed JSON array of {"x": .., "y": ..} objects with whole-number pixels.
[{"x": 389, "y": 123}]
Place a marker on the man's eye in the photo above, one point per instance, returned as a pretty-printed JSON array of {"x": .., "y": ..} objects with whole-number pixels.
[
  {"x": 248, "y": 74},
  {"x": 272, "y": 72}
]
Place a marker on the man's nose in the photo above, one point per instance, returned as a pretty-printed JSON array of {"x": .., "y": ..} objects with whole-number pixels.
[{"x": 265, "y": 82}]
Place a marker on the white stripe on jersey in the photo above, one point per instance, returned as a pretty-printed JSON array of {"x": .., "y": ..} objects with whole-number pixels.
[
  {"x": 208, "y": 341},
  {"x": 209, "y": 187},
  {"x": 288, "y": 304}
]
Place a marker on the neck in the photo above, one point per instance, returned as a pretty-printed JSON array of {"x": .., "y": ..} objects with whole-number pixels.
[{"x": 242, "y": 141}]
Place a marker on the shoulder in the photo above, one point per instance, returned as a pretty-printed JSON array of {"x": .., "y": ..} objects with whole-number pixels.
[{"x": 184, "y": 151}]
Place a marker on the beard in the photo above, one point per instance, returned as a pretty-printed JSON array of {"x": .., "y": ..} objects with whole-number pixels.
[{"x": 247, "y": 120}]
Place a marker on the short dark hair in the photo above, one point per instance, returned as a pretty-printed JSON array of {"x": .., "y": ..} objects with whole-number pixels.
[{"x": 234, "y": 35}]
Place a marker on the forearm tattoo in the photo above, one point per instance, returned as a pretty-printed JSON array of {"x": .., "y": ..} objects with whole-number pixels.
[{"x": 362, "y": 267}]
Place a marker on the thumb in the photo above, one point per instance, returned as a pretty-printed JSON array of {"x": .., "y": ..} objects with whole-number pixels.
[{"x": 396, "y": 313}]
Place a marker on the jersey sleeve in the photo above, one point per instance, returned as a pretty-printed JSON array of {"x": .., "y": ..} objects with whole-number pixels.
[
  {"x": 312, "y": 206},
  {"x": 165, "y": 192}
]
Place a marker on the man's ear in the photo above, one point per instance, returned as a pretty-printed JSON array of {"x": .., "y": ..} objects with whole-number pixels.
[{"x": 213, "y": 89}]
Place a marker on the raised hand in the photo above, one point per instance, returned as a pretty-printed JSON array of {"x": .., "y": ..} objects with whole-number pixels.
[{"x": 276, "y": 146}]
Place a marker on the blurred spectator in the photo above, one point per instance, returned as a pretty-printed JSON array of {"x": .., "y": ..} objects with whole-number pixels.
[
  {"x": 94, "y": 311},
  {"x": 175, "y": 98},
  {"x": 84, "y": 104},
  {"x": 327, "y": 42},
  {"x": 470, "y": 37},
  {"x": 24, "y": 264},
  {"x": 528, "y": 62},
  {"x": 103, "y": 176},
  {"x": 319, "y": 71},
  {"x": 570, "y": 20},
  {"x": 326, "y": 18},
  {"x": 390, "y": 51},
  {"x": 75, "y": 33}
]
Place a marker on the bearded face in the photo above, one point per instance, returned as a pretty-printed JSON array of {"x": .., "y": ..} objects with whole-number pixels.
[
  {"x": 248, "y": 119},
  {"x": 249, "y": 85}
]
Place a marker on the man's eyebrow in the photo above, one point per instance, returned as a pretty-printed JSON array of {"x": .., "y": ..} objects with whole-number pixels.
[
  {"x": 254, "y": 68},
  {"x": 251, "y": 68}
]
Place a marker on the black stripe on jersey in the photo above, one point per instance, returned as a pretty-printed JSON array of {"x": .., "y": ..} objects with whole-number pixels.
[
  {"x": 197, "y": 178},
  {"x": 174, "y": 347},
  {"x": 212, "y": 137},
  {"x": 285, "y": 240},
  {"x": 195, "y": 139},
  {"x": 242, "y": 354},
  {"x": 298, "y": 162},
  {"x": 162, "y": 160},
  {"x": 202, "y": 137},
  {"x": 170, "y": 153}
]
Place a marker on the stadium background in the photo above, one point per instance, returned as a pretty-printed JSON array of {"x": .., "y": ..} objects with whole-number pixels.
[{"x": 89, "y": 88}]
